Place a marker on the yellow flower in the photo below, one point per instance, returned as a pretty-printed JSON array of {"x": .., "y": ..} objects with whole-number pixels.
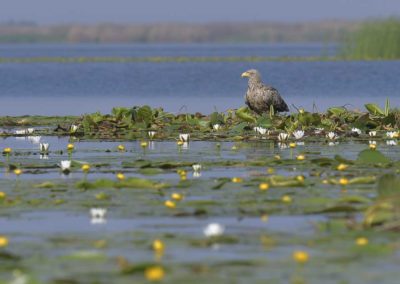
[
  {"x": 342, "y": 167},
  {"x": 2, "y": 194},
  {"x": 177, "y": 196},
  {"x": 292, "y": 145},
  {"x": 158, "y": 246},
  {"x": 286, "y": 199},
  {"x": 237, "y": 179},
  {"x": 143, "y": 144},
  {"x": 85, "y": 168},
  {"x": 301, "y": 157},
  {"x": 121, "y": 147},
  {"x": 183, "y": 177},
  {"x": 179, "y": 142},
  {"x": 154, "y": 273},
  {"x": 7, "y": 150},
  {"x": 170, "y": 204},
  {"x": 372, "y": 146},
  {"x": 3, "y": 241},
  {"x": 300, "y": 256},
  {"x": 17, "y": 172},
  {"x": 277, "y": 157},
  {"x": 120, "y": 176},
  {"x": 300, "y": 178},
  {"x": 181, "y": 172},
  {"x": 70, "y": 147},
  {"x": 361, "y": 241},
  {"x": 343, "y": 181},
  {"x": 263, "y": 186},
  {"x": 270, "y": 170}
]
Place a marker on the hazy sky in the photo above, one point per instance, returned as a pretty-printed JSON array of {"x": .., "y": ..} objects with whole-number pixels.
[{"x": 92, "y": 11}]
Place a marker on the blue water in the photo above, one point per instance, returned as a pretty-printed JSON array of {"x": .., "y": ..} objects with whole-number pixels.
[{"x": 75, "y": 88}]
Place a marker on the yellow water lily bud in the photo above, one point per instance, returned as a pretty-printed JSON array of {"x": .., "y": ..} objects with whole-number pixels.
[
  {"x": 300, "y": 178},
  {"x": 121, "y": 147},
  {"x": 361, "y": 241},
  {"x": 158, "y": 246},
  {"x": 3, "y": 241},
  {"x": 2, "y": 194},
  {"x": 154, "y": 273},
  {"x": 17, "y": 172},
  {"x": 237, "y": 179},
  {"x": 301, "y": 157},
  {"x": 292, "y": 145},
  {"x": 85, "y": 168},
  {"x": 343, "y": 181},
  {"x": 277, "y": 157},
  {"x": 179, "y": 142},
  {"x": 342, "y": 167},
  {"x": 170, "y": 204},
  {"x": 300, "y": 256},
  {"x": 70, "y": 147},
  {"x": 270, "y": 170},
  {"x": 120, "y": 176},
  {"x": 263, "y": 186},
  {"x": 7, "y": 150},
  {"x": 372, "y": 146},
  {"x": 177, "y": 196},
  {"x": 143, "y": 144},
  {"x": 286, "y": 199}
]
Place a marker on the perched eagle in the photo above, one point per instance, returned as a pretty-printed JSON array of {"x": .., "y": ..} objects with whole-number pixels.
[{"x": 260, "y": 97}]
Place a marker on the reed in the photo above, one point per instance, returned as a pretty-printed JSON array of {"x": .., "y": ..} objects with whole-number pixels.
[{"x": 379, "y": 39}]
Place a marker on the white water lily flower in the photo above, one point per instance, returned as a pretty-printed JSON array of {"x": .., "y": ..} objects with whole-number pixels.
[
  {"x": 392, "y": 134},
  {"x": 213, "y": 230},
  {"x": 184, "y": 137},
  {"x": 260, "y": 130},
  {"x": 196, "y": 167},
  {"x": 356, "y": 130},
  {"x": 20, "y": 132},
  {"x": 283, "y": 136},
  {"x": 98, "y": 212},
  {"x": 391, "y": 142},
  {"x": 65, "y": 165},
  {"x": 372, "y": 142},
  {"x": 151, "y": 134},
  {"x": 19, "y": 278},
  {"x": 44, "y": 157},
  {"x": 73, "y": 128},
  {"x": 30, "y": 130},
  {"x": 44, "y": 147},
  {"x": 216, "y": 127},
  {"x": 331, "y": 135},
  {"x": 372, "y": 133},
  {"x": 298, "y": 134},
  {"x": 98, "y": 216},
  {"x": 196, "y": 174}
]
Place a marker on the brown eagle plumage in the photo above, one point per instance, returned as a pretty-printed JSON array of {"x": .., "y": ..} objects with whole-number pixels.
[{"x": 260, "y": 97}]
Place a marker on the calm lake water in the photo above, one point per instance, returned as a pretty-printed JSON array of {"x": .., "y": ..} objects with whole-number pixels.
[{"x": 75, "y": 88}]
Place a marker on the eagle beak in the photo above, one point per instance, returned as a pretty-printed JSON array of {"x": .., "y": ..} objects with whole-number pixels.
[{"x": 245, "y": 74}]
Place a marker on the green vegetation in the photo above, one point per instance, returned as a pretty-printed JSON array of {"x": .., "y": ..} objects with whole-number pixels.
[
  {"x": 374, "y": 40},
  {"x": 295, "y": 210}
]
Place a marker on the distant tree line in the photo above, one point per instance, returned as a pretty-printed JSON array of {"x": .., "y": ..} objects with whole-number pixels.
[{"x": 326, "y": 31}]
